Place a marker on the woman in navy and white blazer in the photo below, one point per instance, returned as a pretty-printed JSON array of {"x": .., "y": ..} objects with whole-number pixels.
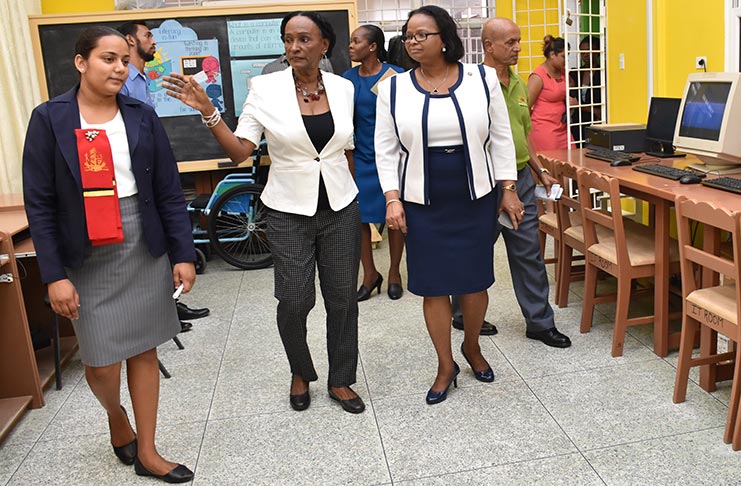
[
  {"x": 443, "y": 141},
  {"x": 313, "y": 216},
  {"x": 116, "y": 289}
]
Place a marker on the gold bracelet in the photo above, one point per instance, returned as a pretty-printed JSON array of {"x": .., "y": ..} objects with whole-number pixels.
[{"x": 392, "y": 201}]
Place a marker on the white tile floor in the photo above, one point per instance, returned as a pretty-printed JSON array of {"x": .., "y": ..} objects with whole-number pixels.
[{"x": 575, "y": 416}]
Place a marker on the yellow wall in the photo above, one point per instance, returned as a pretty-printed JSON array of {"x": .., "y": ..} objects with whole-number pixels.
[
  {"x": 76, "y": 6},
  {"x": 683, "y": 30},
  {"x": 627, "y": 89}
]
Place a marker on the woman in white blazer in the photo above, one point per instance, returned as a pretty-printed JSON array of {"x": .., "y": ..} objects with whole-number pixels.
[
  {"x": 442, "y": 142},
  {"x": 312, "y": 212}
]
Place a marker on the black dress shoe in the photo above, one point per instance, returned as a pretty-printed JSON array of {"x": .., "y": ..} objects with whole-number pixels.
[
  {"x": 364, "y": 292},
  {"x": 126, "y": 453},
  {"x": 488, "y": 329},
  {"x": 185, "y": 326},
  {"x": 395, "y": 291},
  {"x": 551, "y": 337},
  {"x": 353, "y": 405},
  {"x": 180, "y": 474},
  {"x": 185, "y": 313},
  {"x": 300, "y": 402}
]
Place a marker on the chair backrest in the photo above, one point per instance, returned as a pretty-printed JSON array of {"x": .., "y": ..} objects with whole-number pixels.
[
  {"x": 710, "y": 257},
  {"x": 565, "y": 174},
  {"x": 592, "y": 217},
  {"x": 545, "y": 206}
]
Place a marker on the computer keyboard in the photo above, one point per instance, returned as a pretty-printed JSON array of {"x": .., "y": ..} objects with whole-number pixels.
[
  {"x": 725, "y": 183},
  {"x": 665, "y": 171},
  {"x": 608, "y": 155}
]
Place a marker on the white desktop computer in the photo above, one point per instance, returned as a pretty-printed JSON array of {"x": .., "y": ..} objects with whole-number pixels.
[{"x": 709, "y": 122}]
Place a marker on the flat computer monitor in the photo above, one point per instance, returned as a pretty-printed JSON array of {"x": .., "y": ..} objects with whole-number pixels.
[
  {"x": 662, "y": 119},
  {"x": 710, "y": 121}
]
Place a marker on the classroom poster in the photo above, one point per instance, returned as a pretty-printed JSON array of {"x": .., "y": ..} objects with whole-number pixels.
[
  {"x": 255, "y": 38},
  {"x": 242, "y": 71},
  {"x": 179, "y": 50}
]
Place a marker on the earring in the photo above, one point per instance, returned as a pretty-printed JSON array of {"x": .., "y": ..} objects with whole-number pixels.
[
  {"x": 444, "y": 49},
  {"x": 372, "y": 49}
]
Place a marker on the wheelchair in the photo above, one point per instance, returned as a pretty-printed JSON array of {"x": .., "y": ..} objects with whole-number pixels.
[{"x": 235, "y": 224}]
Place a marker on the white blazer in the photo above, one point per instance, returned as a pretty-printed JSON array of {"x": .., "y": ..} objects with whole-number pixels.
[
  {"x": 401, "y": 129},
  {"x": 293, "y": 184}
]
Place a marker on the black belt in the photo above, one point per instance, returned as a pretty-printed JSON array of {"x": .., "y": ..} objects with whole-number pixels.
[{"x": 453, "y": 149}]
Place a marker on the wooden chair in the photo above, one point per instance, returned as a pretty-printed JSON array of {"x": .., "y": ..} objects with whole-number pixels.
[
  {"x": 548, "y": 222},
  {"x": 623, "y": 249},
  {"x": 571, "y": 232},
  {"x": 708, "y": 302}
]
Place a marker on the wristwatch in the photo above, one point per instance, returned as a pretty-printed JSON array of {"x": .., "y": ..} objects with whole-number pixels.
[{"x": 511, "y": 187}]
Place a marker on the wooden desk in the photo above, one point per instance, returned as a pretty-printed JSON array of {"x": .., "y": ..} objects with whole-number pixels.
[
  {"x": 660, "y": 193},
  {"x": 23, "y": 372}
]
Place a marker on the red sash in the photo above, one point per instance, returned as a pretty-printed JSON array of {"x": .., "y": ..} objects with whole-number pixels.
[{"x": 99, "y": 187}]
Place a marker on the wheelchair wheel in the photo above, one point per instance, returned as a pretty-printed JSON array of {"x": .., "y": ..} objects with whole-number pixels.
[
  {"x": 200, "y": 261},
  {"x": 237, "y": 228}
]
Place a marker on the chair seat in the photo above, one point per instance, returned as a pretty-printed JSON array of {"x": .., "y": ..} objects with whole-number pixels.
[
  {"x": 720, "y": 300},
  {"x": 641, "y": 246},
  {"x": 549, "y": 219}
]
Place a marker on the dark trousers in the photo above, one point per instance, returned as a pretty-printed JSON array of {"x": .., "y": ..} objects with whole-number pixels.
[
  {"x": 329, "y": 241},
  {"x": 529, "y": 277}
]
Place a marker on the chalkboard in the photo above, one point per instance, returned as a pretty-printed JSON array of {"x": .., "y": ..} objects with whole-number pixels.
[{"x": 54, "y": 38}]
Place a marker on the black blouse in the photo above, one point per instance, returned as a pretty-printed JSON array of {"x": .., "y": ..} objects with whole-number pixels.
[{"x": 320, "y": 129}]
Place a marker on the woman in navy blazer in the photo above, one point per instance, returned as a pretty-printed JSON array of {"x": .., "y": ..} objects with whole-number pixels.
[{"x": 117, "y": 295}]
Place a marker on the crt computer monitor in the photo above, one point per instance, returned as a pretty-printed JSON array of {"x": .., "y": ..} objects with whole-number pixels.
[
  {"x": 662, "y": 119},
  {"x": 709, "y": 121}
]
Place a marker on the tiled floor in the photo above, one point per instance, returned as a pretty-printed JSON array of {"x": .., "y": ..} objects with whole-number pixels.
[{"x": 575, "y": 416}]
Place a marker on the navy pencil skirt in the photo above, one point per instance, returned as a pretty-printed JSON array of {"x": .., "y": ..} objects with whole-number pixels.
[{"x": 450, "y": 242}]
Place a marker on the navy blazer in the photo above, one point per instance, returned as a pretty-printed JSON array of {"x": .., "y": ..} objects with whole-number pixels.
[{"x": 52, "y": 188}]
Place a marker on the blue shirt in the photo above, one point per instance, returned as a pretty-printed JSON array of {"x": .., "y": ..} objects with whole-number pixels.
[{"x": 137, "y": 86}]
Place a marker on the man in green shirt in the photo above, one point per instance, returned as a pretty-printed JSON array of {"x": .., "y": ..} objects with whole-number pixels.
[{"x": 501, "y": 40}]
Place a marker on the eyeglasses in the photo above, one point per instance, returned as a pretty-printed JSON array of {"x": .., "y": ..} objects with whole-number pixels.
[{"x": 419, "y": 37}]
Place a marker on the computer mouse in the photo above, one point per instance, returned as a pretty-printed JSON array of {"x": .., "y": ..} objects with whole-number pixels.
[
  {"x": 620, "y": 163},
  {"x": 690, "y": 179}
]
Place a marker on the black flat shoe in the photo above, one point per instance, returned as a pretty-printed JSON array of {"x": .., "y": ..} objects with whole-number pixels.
[
  {"x": 364, "y": 292},
  {"x": 126, "y": 453},
  {"x": 394, "y": 291},
  {"x": 186, "y": 313},
  {"x": 353, "y": 405},
  {"x": 180, "y": 474},
  {"x": 487, "y": 329},
  {"x": 300, "y": 402},
  {"x": 185, "y": 326},
  {"x": 550, "y": 337}
]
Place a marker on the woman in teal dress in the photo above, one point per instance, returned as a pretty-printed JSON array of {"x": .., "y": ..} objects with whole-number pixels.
[{"x": 367, "y": 48}]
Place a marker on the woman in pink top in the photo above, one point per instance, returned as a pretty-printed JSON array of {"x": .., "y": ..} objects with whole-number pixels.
[{"x": 546, "y": 88}]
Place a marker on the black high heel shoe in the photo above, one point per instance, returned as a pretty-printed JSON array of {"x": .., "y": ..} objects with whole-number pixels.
[
  {"x": 126, "y": 453},
  {"x": 394, "y": 290},
  {"x": 434, "y": 397},
  {"x": 364, "y": 292},
  {"x": 180, "y": 474},
  {"x": 487, "y": 376}
]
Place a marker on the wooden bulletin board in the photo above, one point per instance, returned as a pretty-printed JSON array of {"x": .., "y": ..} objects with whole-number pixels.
[{"x": 238, "y": 36}]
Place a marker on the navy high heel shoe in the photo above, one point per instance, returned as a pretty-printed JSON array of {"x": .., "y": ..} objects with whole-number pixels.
[
  {"x": 487, "y": 376},
  {"x": 364, "y": 292},
  {"x": 434, "y": 397}
]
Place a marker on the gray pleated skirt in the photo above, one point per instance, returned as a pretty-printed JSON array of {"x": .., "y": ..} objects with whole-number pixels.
[{"x": 126, "y": 304}]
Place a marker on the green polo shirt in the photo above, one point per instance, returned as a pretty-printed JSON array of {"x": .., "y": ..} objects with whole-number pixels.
[{"x": 515, "y": 95}]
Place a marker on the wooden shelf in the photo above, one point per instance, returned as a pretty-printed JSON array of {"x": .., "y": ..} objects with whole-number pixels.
[
  {"x": 11, "y": 411},
  {"x": 45, "y": 359},
  {"x": 4, "y": 260}
]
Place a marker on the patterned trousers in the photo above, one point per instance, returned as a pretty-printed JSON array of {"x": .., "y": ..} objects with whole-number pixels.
[{"x": 330, "y": 242}]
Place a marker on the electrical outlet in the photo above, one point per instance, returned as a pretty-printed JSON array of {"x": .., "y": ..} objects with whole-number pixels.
[{"x": 701, "y": 62}]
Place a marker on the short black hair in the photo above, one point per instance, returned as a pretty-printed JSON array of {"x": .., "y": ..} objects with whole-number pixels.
[
  {"x": 448, "y": 30},
  {"x": 324, "y": 27},
  {"x": 374, "y": 34},
  {"x": 89, "y": 37},
  {"x": 130, "y": 28}
]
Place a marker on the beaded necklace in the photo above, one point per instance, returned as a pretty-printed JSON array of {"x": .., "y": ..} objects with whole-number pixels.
[{"x": 309, "y": 96}]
